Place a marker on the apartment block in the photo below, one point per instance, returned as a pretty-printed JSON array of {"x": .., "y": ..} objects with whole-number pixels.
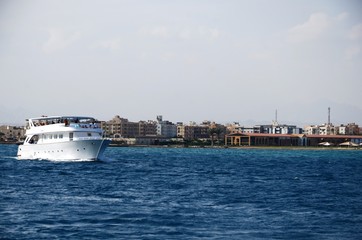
[
  {"x": 122, "y": 128},
  {"x": 278, "y": 129},
  {"x": 147, "y": 128},
  {"x": 237, "y": 128},
  {"x": 11, "y": 133},
  {"x": 166, "y": 128},
  {"x": 274, "y": 128},
  {"x": 193, "y": 132},
  {"x": 349, "y": 129},
  {"x": 330, "y": 129}
]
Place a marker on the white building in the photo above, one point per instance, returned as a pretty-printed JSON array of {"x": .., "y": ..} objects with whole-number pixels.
[
  {"x": 279, "y": 129},
  {"x": 166, "y": 128},
  {"x": 349, "y": 129},
  {"x": 325, "y": 129},
  {"x": 311, "y": 130}
]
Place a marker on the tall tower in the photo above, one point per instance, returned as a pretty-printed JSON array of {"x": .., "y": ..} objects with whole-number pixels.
[
  {"x": 275, "y": 122},
  {"x": 329, "y": 122},
  {"x": 276, "y": 115}
]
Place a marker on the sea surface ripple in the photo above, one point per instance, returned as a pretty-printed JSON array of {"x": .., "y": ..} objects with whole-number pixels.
[{"x": 184, "y": 193}]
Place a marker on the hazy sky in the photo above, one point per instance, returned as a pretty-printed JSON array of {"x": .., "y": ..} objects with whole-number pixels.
[{"x": 197, "y": 60}]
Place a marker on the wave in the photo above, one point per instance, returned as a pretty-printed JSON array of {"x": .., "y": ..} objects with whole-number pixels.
[
  {"x": 106, "y": 159},
  {"x": 57, "y": 160},
  {"x": 10, "y": 157}
]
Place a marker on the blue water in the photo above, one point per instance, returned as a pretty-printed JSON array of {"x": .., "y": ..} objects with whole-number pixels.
[{"x": 165, "y": 193}]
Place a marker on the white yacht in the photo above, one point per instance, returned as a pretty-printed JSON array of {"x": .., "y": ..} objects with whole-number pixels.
[{"x": 63, "y": 138}]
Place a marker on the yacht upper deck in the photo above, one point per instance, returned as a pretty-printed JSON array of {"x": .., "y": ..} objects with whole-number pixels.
[{"x": 66, "y": 121}]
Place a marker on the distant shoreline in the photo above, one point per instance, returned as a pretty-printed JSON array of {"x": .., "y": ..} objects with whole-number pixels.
[
  {"x": 243, "y": 147},
  {"x": 224, "y": 147}
]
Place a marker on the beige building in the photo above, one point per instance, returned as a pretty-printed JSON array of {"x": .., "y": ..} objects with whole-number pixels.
[
  {"x": 122, "y": 128},
  {"x": 147, "y": 128},
  {"x": 349, "y": 129},
  {"x": 327, "y": 129},
  {"x": 11, "y": 133},
  {"x": 330, "y": 129},
  {"x": 180, "y": 130},
  {"x": 311, "y": 130},
  {"x": 194, "y": 131}
]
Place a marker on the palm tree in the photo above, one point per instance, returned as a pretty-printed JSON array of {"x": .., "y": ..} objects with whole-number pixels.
[
  {"x": 212, "y": 132},
  {"x": 215, "y": 131},
  {"x": 218, "y": 131}
]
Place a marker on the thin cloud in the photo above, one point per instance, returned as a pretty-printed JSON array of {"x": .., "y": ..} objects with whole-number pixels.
[
  {"x": 156, "y": 31},
  {"x": 59, "y": 40},
  {"x": 260, "y": 56},
  {"x": 185, "y": 34},
  {"x": 189, "y": 33},
  {"x": 310, "y": 30},
  {"x": 114, "y": 44},
  {"x": 342, "y": 16},
  {"x": 352, "y": 52},
  {"x": 209, "y": 33},
  {"x": 356, "y": 32}
]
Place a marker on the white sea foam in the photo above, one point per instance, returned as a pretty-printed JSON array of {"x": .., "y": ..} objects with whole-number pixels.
[
  {"x": 106, "y": 159},
  {"x": 56, "y": 160}
]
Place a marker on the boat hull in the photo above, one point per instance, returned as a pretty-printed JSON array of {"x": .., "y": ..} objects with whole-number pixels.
[{"x": 90, "y": 149}]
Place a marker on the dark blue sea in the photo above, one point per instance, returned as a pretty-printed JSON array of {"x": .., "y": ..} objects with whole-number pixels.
[{"x": 184, "y": 193}]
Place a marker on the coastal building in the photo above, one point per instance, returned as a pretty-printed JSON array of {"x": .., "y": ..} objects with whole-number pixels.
[
  {"x": 311, "y": 130},
  {"x": 180, "y": 130},
  {"x": 235, "y": 127},
  {"x": 203, "y": 131},
  {"x": 162, "y": 132},
  {"x": 193, "y": 132},
  {"x": 278, "y": 129},
  {"x": 343, "y": 130},
  {"x": 264, "y": 139},
  {"x": 147, "y": 128},
  {"x": 333, "y": 140},
  {"x": 330, "y": 129},
  {"x": 349, "y": 129},
  {"x": 122, "y": 128},
  {"x": 217, "y": 131},
  {"x": 119, "y": 127},
  {"x": 166, "y": 128},
  {"x": 273, "y": 128},
  {"x": 11, "y": 133},
  {"x": 327, "y": 129}
]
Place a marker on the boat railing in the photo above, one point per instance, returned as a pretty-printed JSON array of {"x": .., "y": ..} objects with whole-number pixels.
[
  {"x": 74, "y": 125},
  {"x": 86, "y": 138},
  {"x": 84, "y": 125},
  {"x": 71, "y": 124}
]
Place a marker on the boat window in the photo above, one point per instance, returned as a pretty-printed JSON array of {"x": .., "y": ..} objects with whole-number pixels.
[
  {"x": 34, "y": 139},
  {"x": 70, "y": 136},
  {"x": 44, "y": 137},
  {"x": 55, "y": 136},
  {"x": 89, "y": 134},
  {"x": 50, "y": 136},
  {"x": 60, "y": 135}
]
